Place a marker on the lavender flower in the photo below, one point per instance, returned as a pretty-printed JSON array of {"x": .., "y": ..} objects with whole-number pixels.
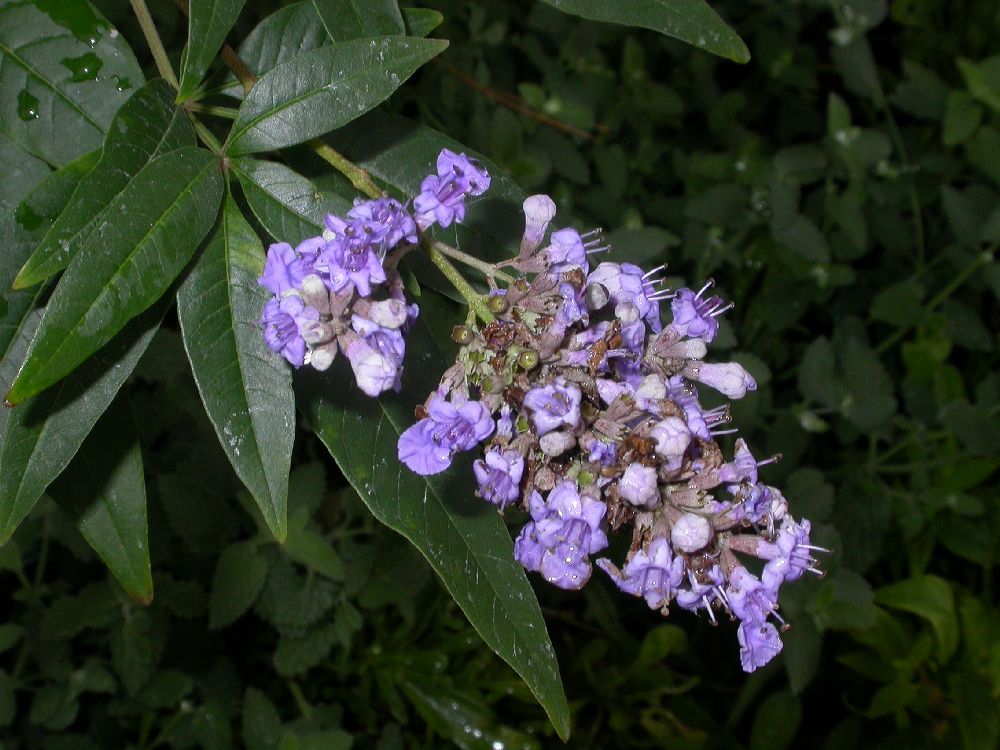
[
  {"x": 286, "y": 266},
  {"x": 429, "y": 446},
  {"x": 653, "y": 574},
  {"x": 442, "y": 196},
  {"x": 730, "y": 378},
  {"x": 638, "y": 485},
  {"x": 695, "y": 316},
  {"x": 564, "y": 531},
  {"x": 499, "y": 476},
  {"x": 387, "y": 219},
  {"x": 282, "y": 322},
  {"x": 376, "y": 355},
  {"x": 554, "y": 405},
  {"x": 347, "y": 261},
  {"x": 759, "y": 643}
]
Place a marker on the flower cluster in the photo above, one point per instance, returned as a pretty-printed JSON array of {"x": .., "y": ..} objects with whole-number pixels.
[
  {"x": 341, "y": 291},
  {"x": 589, "y": 417}
]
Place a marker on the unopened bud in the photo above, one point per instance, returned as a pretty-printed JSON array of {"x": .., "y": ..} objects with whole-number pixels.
[
  {"x": 497, "y": 303},
  {"x": 528, "y": 359},
  {"x": 462, "y": 335},
  {"x": 596, "y": 296},
  {"x": 322, "y": 357}
]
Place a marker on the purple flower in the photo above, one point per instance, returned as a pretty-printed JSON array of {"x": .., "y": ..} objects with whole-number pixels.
[
  {"x": 603, "y": 453},
  {"x": 499, "y": 476},
  {"x": 429, "y": 446},
  {"x": 286, "y": 266},
  {"x": 376, "y": 356},
  {"x": 442, "y": 196},
  {"x": 696, "y": 317},
  {"x": 626, "y": 283},
  {"x": 566, "y": 251},
  {"x": 743, "y": 466},
  {"x": 704, "y": 590},
  {"x": 565, "y": 529},
  {"x": 789, "y": 555},
  {"x": 539, "y": 211},
  {"x": 748, "y": 598},
  {"x": 653, "y": 574},
  {"x": 282, "y": 322},
  {"x": 347, "y": 261},
  {"x": 638, "y": 485},
  {"x": 729, "y": 378},
  {"x": 573, "y": 307},
  {"x": 386, "y": 219},
  {"x": 759, "y": 643},
  {"x": 554, "y": 405}
]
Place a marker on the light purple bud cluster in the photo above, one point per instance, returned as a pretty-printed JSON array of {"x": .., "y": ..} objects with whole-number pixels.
[{"x": 588, "y": 410}]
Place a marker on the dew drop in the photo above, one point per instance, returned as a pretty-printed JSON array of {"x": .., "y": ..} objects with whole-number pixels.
[{"x": 27, "y": 106}]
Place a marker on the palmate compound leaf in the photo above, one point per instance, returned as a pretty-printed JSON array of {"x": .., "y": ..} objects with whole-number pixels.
[
  {"x": 125, "y": 265},
  {"x": 208, "y": 23},
  {"x": 103, "y": 489},
  {"x": 324, "y": 89},
  {"x": 247, "y": 392},
  {"x": 64, "y": 72},
  {"x": 691, "y": 21},
  {"x": 147, "y": 126},
  {"x": 463, "y": 538}
]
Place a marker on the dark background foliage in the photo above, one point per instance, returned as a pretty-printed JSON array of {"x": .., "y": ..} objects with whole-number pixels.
[{"x": 842, "y": 188}]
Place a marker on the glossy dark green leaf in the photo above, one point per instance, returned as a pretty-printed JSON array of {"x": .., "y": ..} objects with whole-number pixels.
[
  {"x": 208, "y": 23},
  {"x": 354, "y": 19},
  {"x": 20, "y": 230},
  {"x": 324, "y": 89},
  {"x": 289, "y": 31},
  {"x": 21, "y": 172},
  {"x": 246, "y": 388},
  {"x": 38, "y": 439},
  {"x": 64, "y": 73},
  {"x": 104, "y": 490},
  {"x": 465, "y": 540},
  {"x": 286, "y": 204},
  {"x": 147, "y": 126},
  {"x": 421, "y": 21},
  {"x": 124, "y": 266},
  {"x": 691, "y": 21}
]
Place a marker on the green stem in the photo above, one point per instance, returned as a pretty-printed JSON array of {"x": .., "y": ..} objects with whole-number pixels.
[
  {"x": 474, "y": 299},
  {"x": 228, "y": 113},
  {"x": 300, "y": 700},
  {"x": 949, "y": 289},
  {"x": 488, "y": 269},
  {"x": 207, "y": 137},
  {"x": 358, "y": 177},
  {"x": 153, "y": 40}
]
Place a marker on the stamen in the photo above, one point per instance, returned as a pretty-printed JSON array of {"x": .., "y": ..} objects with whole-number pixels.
[
  {"x": 716, "y": 312},
  {"x": 708, "y": 285},
  {"x": 651, "y": 271},
  {"x": 602, "y": 249}
]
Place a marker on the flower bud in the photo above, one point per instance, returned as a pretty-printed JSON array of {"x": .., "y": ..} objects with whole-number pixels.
[
  {"x": 497, "y": 303},
  {"x": 462, "y": 335},
  {"x": 315, "y": 294},
  {"x": 690, "y": 533},
  {"x": 322, "y": 357},
  {"x": 556, "y": 443},
  {"x": 539, "y": 210},
  {"x": 596, "y": 296},
  {"x": 527, "y": 359}
]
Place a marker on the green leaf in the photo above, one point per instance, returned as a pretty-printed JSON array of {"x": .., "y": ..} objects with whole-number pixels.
[
  {"x": 354, "y": 19},
  {"x": 132, "y": 652},
  {"x": 983, "y": 151},
  {"x": 20, "y": 230},
  {"x": 776, "y": 722},
  {"x": 166, "y": 689},
  {"x": 313, "y": 551},
  {"x": 66, "y": 73},
  {"x": 899, "y": 303},
  {"x": 961, "y": 118},
  {"x": 844, "y": 602},
  {"x": 246, "y": 388},
  {"x": 295, "y": 656},
  {"x": 421, "y": 21},
  {"x": 22, "y": 172},
  {"x": 930, "y": 598},
  {"x": 239, "y": 576},
  {"x": 104, "y": 491},
  {"x": 208, "y": 23},
  {"x": 146, "y": 127},
  {"x": 164, "y": 213},
  {"x": 328, "y": 739},
  {"x": 870, "y": 402},
  {"x": 978, "y": 716},
  {"x": 817, "y": 374},
  {"x": 287, "y": 32},
  {"x": 465, "y": 541},
  {"x": 691, "y": 21},
  {"x": 10, "y": 635},
  {"x": 286, "y": 204},
  {"x": 261, "y": 721},
  {"x": 326, "y": 88},
  {"x": 983, "y": 80},
  {"x": 452, "y": 714},
  {"x": 37, "y": 440}
]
